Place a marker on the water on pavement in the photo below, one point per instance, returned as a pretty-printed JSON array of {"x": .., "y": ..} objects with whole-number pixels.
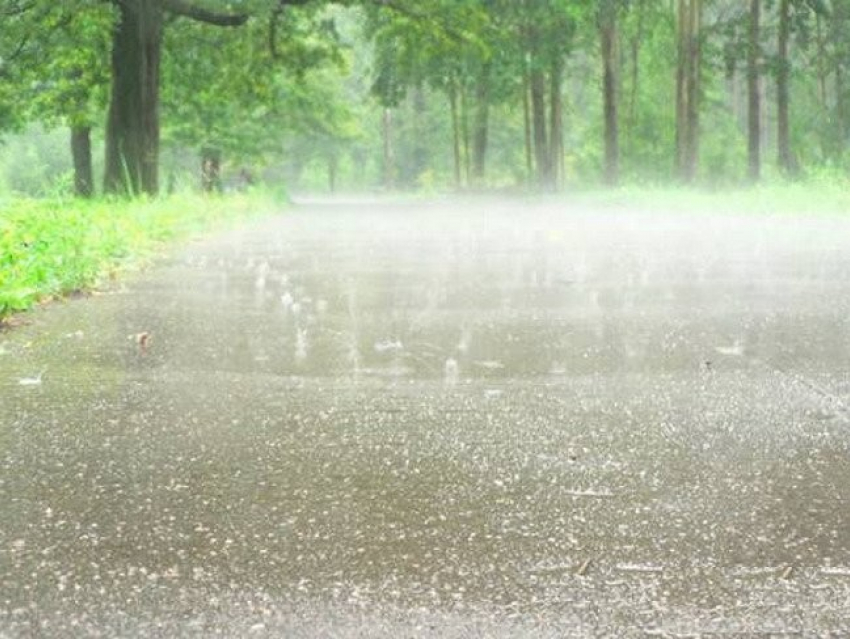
[{"x": 476, "y": 419}]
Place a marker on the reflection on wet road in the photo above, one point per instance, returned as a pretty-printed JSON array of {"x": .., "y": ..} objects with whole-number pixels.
[{"x": 486, "y": 419}]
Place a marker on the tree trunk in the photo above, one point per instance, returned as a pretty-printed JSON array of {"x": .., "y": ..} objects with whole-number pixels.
[
  {"x": 455, "y": 132},
  {"x": 838, "y": 32},
  {"x": 821, "y": 42},
  {"x": 542, "y": 155},
  {"x": 419, "y": 160},
  {"x": 556, "y": 123},
  {"x": 783, "y": 137},
  {"x": 389, "y": 159},
  {"x": 822, "y": 80},
  {"x": 681, "y": 106},
  {"x": 526, "y": 119},
  {"x": 694, "y": 89},
  {"x": 481, "y": 127},
  {"x": 840, "y": 110},
  {"x": 687, "y": 88},
  {"x": 81, "y": 153},
  {"x": 636, "y": 42},
  {"x": 754, "y": 103},
  {"x": 608, "y": 41},
  {"x": 132, "y": 130},
  {"x": 464, "y": 132}
]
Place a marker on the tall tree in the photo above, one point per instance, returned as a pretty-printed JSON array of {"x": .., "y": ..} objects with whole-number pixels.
[
  {"x": 132, "y": 132},
  {"x": 608, "y": 38},
  {"x": 542, "y": 153},
  {"x": 783, "y": 66},
  {"x": 547, "y": 31},
  {"x": 481, "y": 126},
  {"x": 840, "y": 41},
  {"x": 688, "y": 73},
  {"x": 753, "y": 92}
]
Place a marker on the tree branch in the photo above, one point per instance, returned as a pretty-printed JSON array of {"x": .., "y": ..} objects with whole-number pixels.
[
  {"x": 17, "y": 9},
  {"x": 194, "y": 12}
]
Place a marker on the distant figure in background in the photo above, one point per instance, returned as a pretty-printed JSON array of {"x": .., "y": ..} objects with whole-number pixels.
[
  {"x": 211, "y": 171},
  {"x": 245, "y": 180}
]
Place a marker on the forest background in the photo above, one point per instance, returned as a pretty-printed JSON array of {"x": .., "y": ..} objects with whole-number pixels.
[{"x": 147, "y": 96}]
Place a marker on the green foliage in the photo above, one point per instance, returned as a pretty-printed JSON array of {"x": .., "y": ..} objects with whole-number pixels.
[
  {"x": 314, "y": 81},
  {"x": 510, "y": 38},
  {"x": 226, "y": 89},
  {"x": 55, "y": 61},
  {"x": 52, "y": 247},
  {"x": 233, "y": 91}
]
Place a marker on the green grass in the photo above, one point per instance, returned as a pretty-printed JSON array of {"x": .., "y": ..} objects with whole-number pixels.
[
  {"x": 50, "y": 248},
  {"x": 806, "y": 197}
]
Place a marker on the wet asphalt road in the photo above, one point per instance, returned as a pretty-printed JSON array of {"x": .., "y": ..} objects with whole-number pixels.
[{"x": 475, "y": 419}]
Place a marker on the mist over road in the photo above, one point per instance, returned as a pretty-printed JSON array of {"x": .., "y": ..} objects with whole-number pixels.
[{"x": 446, "y": 419}]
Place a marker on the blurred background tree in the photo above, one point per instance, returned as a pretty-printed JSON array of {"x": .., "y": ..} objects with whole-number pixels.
[{"x": 434, "y": 94}]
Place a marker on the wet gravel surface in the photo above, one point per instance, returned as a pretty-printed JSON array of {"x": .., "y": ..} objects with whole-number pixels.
[{"x": 473, "y": 419}]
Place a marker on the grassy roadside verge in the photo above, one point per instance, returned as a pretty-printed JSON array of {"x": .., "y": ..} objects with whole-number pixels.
[
  {"x": 806, "y": 197},
  {"x": 50, "y": 248}
]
